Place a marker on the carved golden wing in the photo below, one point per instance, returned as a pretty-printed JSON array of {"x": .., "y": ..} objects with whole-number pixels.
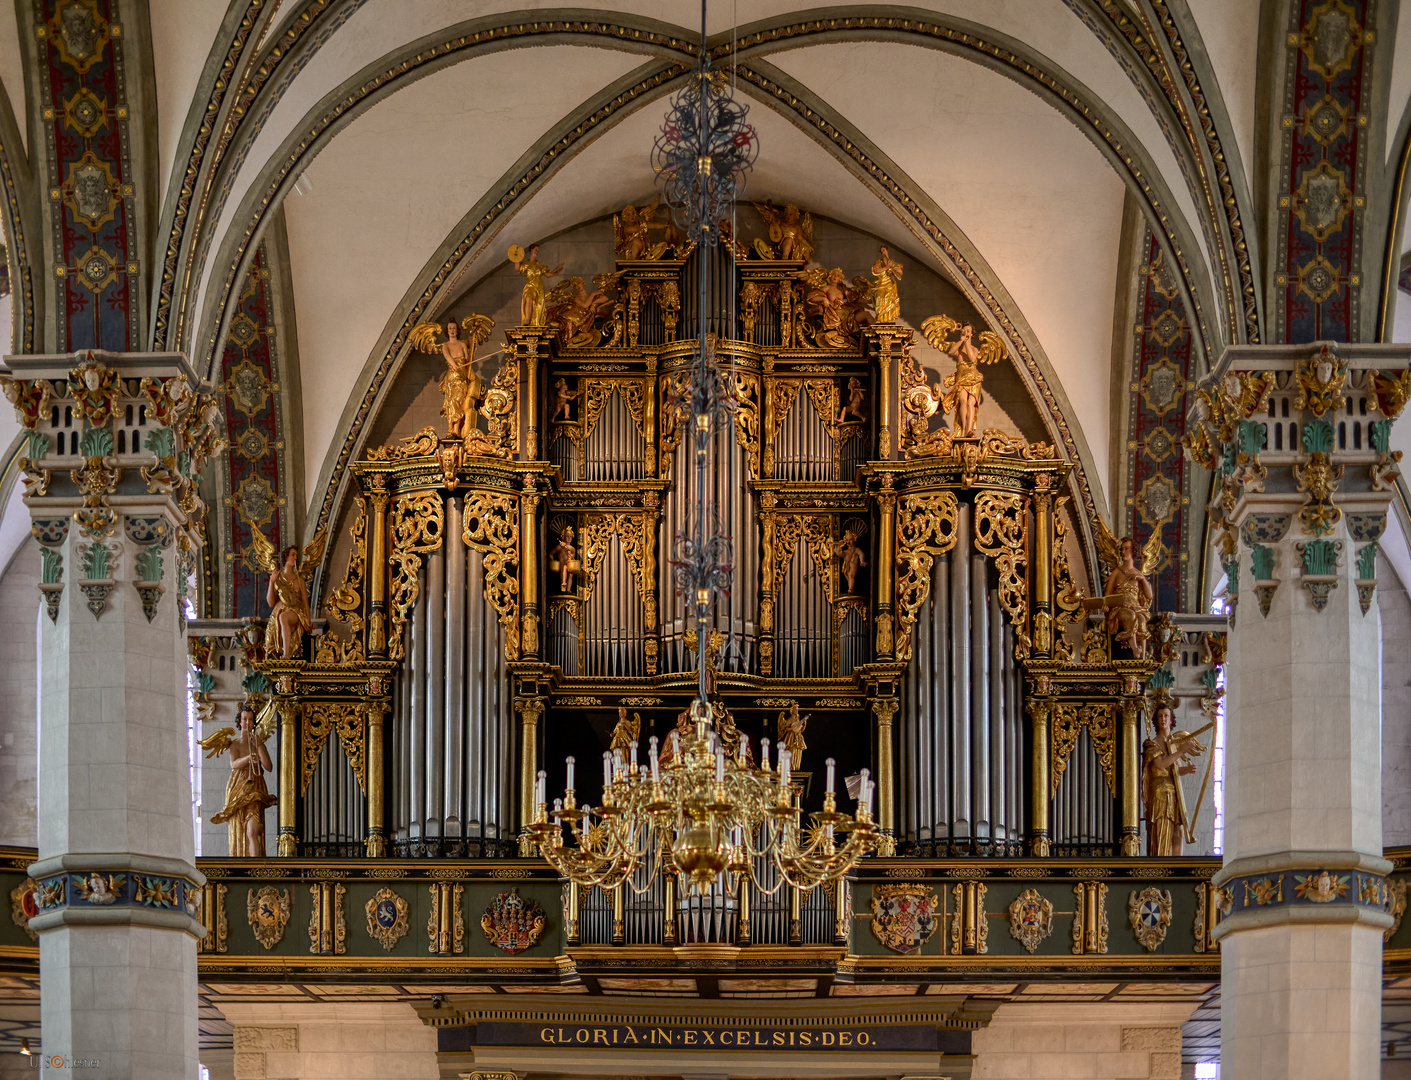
[
  {"x": 818, "y": 277},
  {"x": 313, "y": 554},
  {"x": 806, "y": 228},
  {"x": 266, "y": 722},
  {"x": 648, "y": 212},
  {"x": 1109, "y": 550},
  {"x": 1152, "y": 551},
  {"x": 265, "y": 555},
  {"x": 423, "y": 337},
  {"x": 992, "y": 348},
  {"x": 218, "y": 742},
  {"x": 608, "y": 280},
  {"x": 564, "y": 292},
  {"x": 938, "y": 328},
  {"x": 769, "y": 213},
  {"x": 477, "y": 329}
]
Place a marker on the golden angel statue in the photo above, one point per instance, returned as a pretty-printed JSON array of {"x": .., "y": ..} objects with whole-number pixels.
[
  {"x": 964, "y": 387},
  {"x": 886, "y": 284},
  {"x": 288, "y": 595},
  {"x": 850, "y": 553},
  {"x": 574, "y": 310},
  {"x": 1165, "y": 759},
  {"x": 246, "y": 795},
  {"x": 1127, "y": 595},
  {"x": 461, "y": 388},
  {"x": 563, "y": 399},
  {"x": 791, "y": 729},
  {"x": 790, "y": 228},
  {"x": 632, "y": 240},
  {"x": 857, "y": 394},
  {"x": 533, "y": 306},
  {"x": 840, "y": 308},
  {"x": 626, "y": 732}
]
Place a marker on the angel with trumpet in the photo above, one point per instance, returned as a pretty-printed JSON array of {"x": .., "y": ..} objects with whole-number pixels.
[
  {"x": 246, "y": 795},
  {"x": 288, "y": 596},
  {"x": 1128, "y": 595},
  {"x": 964, "y": 388},
  {"x": 461, "y": 388}
]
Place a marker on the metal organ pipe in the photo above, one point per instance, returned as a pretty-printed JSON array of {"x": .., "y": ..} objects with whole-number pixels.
[
  {"x": 455, "y": 666},
  {"x": 436, "y": 725},
  {"x": 419, "y": 677},
  {"x": 1000, "y": 821},
  {"x": 980, "y": 698},
  {"x": 961, "y": 790}
]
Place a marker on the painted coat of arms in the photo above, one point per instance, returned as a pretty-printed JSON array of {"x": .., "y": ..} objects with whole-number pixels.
[
  {"x": 1150, "y": 915},
  {"x": 24, "y": 905},
  {"x": 268, "y": 911},
  {"x": 903, "y": 916},
  {"x": 386, "y": 918},
  {"x": 1030, "y": 919},
  {"x": 512, "y": 923}
]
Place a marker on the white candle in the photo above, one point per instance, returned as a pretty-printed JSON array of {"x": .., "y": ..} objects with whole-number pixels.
[
  {"x": 656, "y": 765},
  {"x": 675, "y": 745},
  {"x": 607, "y": 769},
  {"x": 785, "y": 764},
  {"x": 720, "y": 764},
  {"x": 632, "y": 748},
  {"x": 744, "y": 755},
  {"x": 764, "y": 754},
  {"x": 830, "y": 776},
  {"x": 540, "y": 783},
  {"x": 570, "y": 774}
]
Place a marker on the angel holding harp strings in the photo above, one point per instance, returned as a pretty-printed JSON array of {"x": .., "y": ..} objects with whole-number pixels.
[
  {"x": 246, "y": 796},
  {"x": 461, "y": 388},
  {"x": 288, "y": 596},
  {"x": 1165, "y": 759},
  {"x": 790, "y": 228},
  {"x": 964, "y": 388},
  {"x": 1127, "y": 596}
]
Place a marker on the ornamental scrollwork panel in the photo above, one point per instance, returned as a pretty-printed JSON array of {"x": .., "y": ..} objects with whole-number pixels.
[
  {"x": 321, "y": 718},
  {"x": 926, "y": 528},
  {"x": 490, "y": 525},
  {"x": 1000, "y": 531},
  {"x": 417, "y": 526},
  {"x": 1067, "y": 721}
]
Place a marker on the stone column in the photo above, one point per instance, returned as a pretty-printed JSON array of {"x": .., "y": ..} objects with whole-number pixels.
[
  {"x": 119, "y": 523},
  {"x": 1297, "y": 437}
]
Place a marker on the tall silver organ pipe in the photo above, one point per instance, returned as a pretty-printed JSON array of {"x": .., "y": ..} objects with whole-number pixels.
[
  {"x": 335, "y": 809},
  {"x": 734, "y": 615},
  {"x": 1083, "y": 806},
  {"x": 452, "y": 781},
  {"x": 803, "y": 449},
  {"x": 803, "y": 620},
  {"x": 960, "y": 737},
  {"x": 613, "y": 619},
  {"x": 614, "y": 449}
]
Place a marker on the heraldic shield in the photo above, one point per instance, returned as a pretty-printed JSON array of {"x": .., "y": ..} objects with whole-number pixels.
[
  {"x": 513, "y": 923},
  {"x": 903, "y": 916}
]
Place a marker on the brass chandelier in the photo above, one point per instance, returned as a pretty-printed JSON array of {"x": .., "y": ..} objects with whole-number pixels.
[{"x": 700, "y": 807}]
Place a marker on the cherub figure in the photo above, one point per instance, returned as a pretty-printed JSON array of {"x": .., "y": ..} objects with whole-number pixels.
[
  {"x": 963, "y": 391},
  {"x": 839, "y": 308},
  {"x": 573, "y": 309},
  {"x": 886, "y": 283},
  {"x": 847, "y": 549},
  {"x": 1165, "y": 759},
  {"x": 632, "y": 231},
  {"x": 564, "y": 559},
  {"x": 533, "y": 306},
  {"x": 288, "y": 594},
  {"x": 461, "y": 388},
  {"x": 853, "y": 405},
  {"x": 791, "y": 728},
  {"x": 246, "y": 795},
  {"x": 562, "y": 398},
  {"x": 626, "y": 732},
  {"x": 790, "y": 228},
  {"x": 1127, "y": 596}
]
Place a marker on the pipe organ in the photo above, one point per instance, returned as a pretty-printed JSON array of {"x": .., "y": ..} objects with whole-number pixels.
[{"x": 511, "y": 599}]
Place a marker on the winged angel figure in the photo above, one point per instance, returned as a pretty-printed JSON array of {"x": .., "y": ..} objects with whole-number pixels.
[
  {"x": 461, "y": 387},
  {"x": 289, "y": 617},
  {"x": 575, "y": 310},
  {"x": 790, "y": 228},
  {"x": 246, "y": 795},
  {"x": 632, "y": 233},
  {"x": 840, "y": 308},
  {"x": 1127, "y": 596},
  {"x": 963, "y": 389}
]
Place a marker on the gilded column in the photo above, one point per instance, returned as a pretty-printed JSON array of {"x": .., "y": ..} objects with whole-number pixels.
[
  {"x": 376, "y": 843},
  {"x": 1131, "y": 770},
  {"x": 1043, "y": 566},
  {"x": 1039, "y": 709},
  {"x": 886, "y": 568},
  {"x": 885, "y": 710},
  {"x": 529, "y": 570},
  {"x": 651, "y": 501},
  {"x": 530, "y": 709},
  {"x": 288, "y": 778},
  {"x": 766, "y": 585},
  {"x": 377, "y": 570}
]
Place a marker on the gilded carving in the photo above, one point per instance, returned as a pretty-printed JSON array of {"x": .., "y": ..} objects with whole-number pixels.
[
  {"x": 418, "y": 521},
  {"x": 1030, "y": 919},
  {"x": 386, "y": 918},
  {"x": 904, "y": 916},
  {"x": 1150, "y": 914},
  {"x": 332, "y": 938},
  {"x": 490, "y": 525},
  {"x": 321, "y": 718},
  {"x": 268, "y": 910},
  {"x": 1000, "y": 532},
  {"x": 926, "y": 527}
]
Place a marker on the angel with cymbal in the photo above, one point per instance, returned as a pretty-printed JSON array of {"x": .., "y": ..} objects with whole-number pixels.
[
  {"x": 461, "y": 388},
  {"x": 533, "y": 305},
  {"x": 246, "y": 795},
  {"x": 790, "y": 228},
  {"x": 964, "y": 388},
  {"x": 1128, "y": 595},
  {"x": 288, "y": 595}
]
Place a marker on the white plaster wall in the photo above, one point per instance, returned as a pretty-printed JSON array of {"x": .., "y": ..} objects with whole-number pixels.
[
  {"x": 19, "y": 687},
  {"x": 1395, "y": 607}
]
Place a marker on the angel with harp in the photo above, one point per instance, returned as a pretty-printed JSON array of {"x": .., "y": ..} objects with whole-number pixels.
[
  {"x": 1165, "y": 759},
  {"x": 790, "y": 228},
  {"x": 461, "y": 388},
  {"x": 288, "y": 595},
  {"x": 1127, "y": 596},
  {"x": 246, "y": 796},
  {"x": 964, "y": 388}
]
